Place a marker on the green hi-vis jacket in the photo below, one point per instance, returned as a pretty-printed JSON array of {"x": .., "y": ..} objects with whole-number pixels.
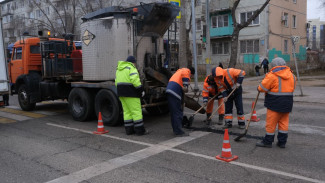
[{"x": 127, "y": 80}]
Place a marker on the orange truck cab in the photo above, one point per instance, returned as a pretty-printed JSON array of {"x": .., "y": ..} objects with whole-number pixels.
[{"x": 30, "y": 77}]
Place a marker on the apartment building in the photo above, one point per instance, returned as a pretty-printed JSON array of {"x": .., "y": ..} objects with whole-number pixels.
[
  {"x": 269, "y": 35},
  {"x": 316, "y": 34}
]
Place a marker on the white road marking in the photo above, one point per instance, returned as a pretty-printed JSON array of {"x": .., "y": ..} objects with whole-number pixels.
[
  {"x": 295, "y": 176},
  {"x": 112, "y": 164},
  {"x": 104, "y": 135},
  {"x": 154, "y": 149},
  {"x": 14, "y": 116}
]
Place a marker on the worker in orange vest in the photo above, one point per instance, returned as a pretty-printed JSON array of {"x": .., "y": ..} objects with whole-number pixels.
[
  {"x": 278, "y": 85},
  {"x": 177, "y": 86},
  {"x": 209, "y": 90},
  {"x": 229, "y": 79}
]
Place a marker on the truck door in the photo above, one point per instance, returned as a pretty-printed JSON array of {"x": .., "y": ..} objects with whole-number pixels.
[{"x": 16, "y": 64}]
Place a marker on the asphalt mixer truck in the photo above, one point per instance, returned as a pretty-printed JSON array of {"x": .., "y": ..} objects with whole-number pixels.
[{"x": 44, "y": 68}]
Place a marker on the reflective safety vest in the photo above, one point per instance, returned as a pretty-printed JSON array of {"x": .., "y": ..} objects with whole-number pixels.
[
  {"x": 180, "y": 79},
  {"x": 279, "y": 85},
  {"x": 209, "y": 90},
  {"x": 229, "y": 78},
  {"x": 127, "y": 80}
]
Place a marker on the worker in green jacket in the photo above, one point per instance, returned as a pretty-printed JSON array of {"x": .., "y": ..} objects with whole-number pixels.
[{"x": 129, "y": 90}]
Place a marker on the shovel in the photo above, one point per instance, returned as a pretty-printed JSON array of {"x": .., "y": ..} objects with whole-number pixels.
[
  {"x": 192, "y": 116},
  {"x": 249, "y": 121},
  {"x": 222, "y": 103}
]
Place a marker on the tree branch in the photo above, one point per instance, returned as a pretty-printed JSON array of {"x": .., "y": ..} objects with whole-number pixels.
[{"x": 255, "y": 14}]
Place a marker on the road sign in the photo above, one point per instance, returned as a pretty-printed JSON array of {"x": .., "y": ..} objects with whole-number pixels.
[{"x": 177, "y": 3}]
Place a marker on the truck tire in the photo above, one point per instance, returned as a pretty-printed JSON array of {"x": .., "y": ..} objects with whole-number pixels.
[
  {"x": 24, "y": 98},
  {"x": 81, "y": 104},
  {"x": 107, "y": 103}
]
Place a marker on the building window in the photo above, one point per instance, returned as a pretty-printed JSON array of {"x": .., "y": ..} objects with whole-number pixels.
[
  {"x": 31, "y": 15},
  {"x": 220, "y": 21},
  {"x": 285, "y": 19},
  {"x": 294, "y": 21},
  {"x": 285, "y": 46},
  {"x": 219, "y": 48},
  {"x": 3, "y": 8},
  {"x": 294, "y": 1},
  {"x": 249, "y": 46},
  {"x": 199, "y": 49},
  {"x": 198, "y": 24},
  {"x": 22, "y": 3},
  {"x": 246, "y": 15},
  {"x": 38, "y": 13}
]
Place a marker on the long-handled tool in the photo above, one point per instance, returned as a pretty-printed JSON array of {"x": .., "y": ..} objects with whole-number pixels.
[
  {"x": 249, "y": 121},
  {"x": 222, "y": 103},
  {"x": 192, "y": 116}
]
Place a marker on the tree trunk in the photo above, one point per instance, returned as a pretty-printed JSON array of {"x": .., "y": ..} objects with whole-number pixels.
[
  {"x": 234, "y": 49},
  {"x": 183, "y": 37}
]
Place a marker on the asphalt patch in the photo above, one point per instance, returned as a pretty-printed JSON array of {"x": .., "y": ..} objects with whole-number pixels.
[{"x": 206, "y": 129}]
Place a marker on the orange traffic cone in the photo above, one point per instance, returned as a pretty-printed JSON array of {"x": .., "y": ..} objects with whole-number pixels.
[
  {"x": 100, "y": 127},
  {"x": 254, "y": 116},
  {"x": 226, "y": 149}
]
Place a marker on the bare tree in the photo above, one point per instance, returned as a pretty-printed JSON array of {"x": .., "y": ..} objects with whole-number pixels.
[{"x": 238, "y": 27}]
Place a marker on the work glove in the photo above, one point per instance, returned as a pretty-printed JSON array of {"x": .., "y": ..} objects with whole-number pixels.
[
  {"x": 238, "y": 85},
  {"x": 225, "y": 99},
  {"x": 143, "y": 94}
]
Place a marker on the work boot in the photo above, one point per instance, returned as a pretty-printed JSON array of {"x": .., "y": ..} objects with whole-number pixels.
[
  {"x": 129, "y": 130},
  {"x": 227, "y": 125},
  {"x": 282, "y": 138},
  {"x": 241, "y": 126},
  {"x": 280, "y": 145},
  {"x": 208, "y": 121},
  {"x": 262, "y": 144},
  {"x": 146, "y": 132},
  {"x": 140, "y": 130},
  {"x": 220, "y": 122}
]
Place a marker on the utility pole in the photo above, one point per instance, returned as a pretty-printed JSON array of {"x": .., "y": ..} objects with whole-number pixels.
[
  {"x": 207, "y": 29},
  {"x": 196, "y": 88},
  {"x": 296, "y": 39}
]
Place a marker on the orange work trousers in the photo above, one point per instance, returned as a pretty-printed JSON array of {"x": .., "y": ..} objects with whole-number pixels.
[
  {"x": 276, "y": 118},
  {"x": 221, "y": 110}
]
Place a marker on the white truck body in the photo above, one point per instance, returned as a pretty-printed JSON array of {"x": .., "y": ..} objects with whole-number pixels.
[{"x": 4, "y": 82}]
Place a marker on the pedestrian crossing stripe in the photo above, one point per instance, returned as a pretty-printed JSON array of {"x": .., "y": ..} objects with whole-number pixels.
[
  {"x": 24, "y": 113},
  {"x": 6, "y": 120}
]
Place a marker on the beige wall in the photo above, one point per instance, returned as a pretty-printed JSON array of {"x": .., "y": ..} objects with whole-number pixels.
[{"x": 278, "y": 32}]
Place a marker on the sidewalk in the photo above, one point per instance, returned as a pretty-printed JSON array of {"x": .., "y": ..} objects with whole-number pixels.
[{"x": 313, "y": 88}]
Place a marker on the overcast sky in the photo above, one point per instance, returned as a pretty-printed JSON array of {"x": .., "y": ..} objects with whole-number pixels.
[{"x": 314, "y": 9}]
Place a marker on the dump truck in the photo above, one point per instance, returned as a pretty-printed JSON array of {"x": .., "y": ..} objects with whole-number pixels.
[
  {"x": 52, "y": 68},
  {"x": 4, "y": 81}
]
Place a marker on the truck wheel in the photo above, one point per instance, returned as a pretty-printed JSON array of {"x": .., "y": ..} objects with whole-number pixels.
[
  {"x": 107, "y": 103},
  {"x": 23, "y": 98},
  {"x": 81, "y": 104}
]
